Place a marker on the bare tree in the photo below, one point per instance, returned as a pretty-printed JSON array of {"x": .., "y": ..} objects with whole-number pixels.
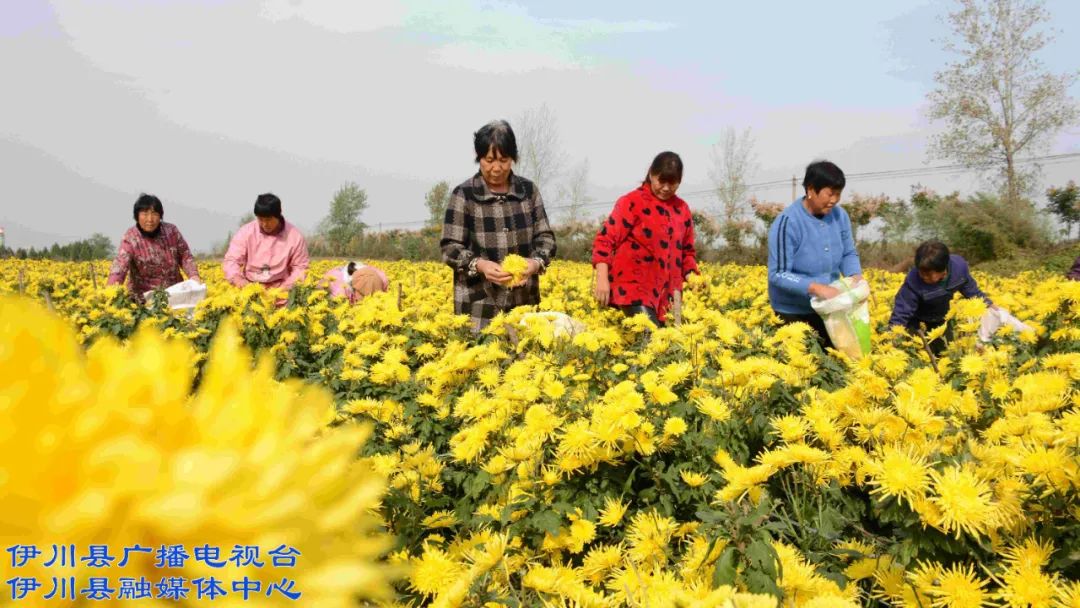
[
  {"x": 575, "y": 192},
  {"x": 997, "y": 100},
  {"x": 539, "y": 149},
  {"x": 733, "y": 163}
]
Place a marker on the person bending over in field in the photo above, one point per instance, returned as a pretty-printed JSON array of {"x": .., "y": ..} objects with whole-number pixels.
[
  {"x": 354, "y": 281},
  {"x": 645, "y": 250},
  {"x": 928, "y": 289},
  {"x": 268, "y": 250},
  {"x": 152, "y": 252},
  {"x": 810, "y": 246},
  {"x": 1074, "y": 272},
  {"x": 492, "y": 215}
]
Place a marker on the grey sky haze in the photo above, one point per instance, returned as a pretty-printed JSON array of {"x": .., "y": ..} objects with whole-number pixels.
[{"x": 209, "y": 102}]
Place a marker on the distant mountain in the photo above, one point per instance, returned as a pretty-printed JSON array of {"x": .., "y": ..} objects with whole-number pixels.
[{"x": 46, "y": 202}]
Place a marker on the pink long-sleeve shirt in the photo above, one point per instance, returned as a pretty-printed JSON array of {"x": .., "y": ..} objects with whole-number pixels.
[{"x": 275, "y": 260}]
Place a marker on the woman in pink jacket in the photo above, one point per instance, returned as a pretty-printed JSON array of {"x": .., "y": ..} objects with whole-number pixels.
[{"x": 268, "y": 250}]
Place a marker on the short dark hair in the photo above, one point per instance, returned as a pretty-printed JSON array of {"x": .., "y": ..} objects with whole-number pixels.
[
  {"x": 268, "y": 205},
  {"x": 147, "y": 201},
  {"x": 667, "y": 167},
  {"x": 822, "y": 174},
  {"x": 496, "y": 136},
  {"x": 932, "y": 255}
]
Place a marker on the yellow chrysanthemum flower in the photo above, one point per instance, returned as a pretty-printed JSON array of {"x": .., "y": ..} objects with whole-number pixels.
[
  {"x": 649, "y": 535},
  {"x": 964, "y": 501},
  {"x": 613, "y": 511},
  {"x": 674, "y": 427},
  {"x": 109, "y": 447},
  {"x": 516, "y": 266},
  {"x": 899, "y": 473},
  {"x": 600, "y": 561},
  {"x": 693, "y": 478},
  {"x": 434, "y": 571},
  {"x": 954, "y": 587},
  {"x": 714, "y": 407},
  {"x": 440, "y": 519}
]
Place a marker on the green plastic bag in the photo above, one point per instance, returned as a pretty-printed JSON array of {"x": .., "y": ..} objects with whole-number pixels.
[{"x": 847, "y": 317}]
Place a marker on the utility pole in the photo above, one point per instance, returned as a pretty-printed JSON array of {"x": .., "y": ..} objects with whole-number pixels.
[{"x": 793, "y": 191}]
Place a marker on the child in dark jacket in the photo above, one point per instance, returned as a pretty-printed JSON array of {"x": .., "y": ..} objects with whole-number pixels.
[{"x": 927, "y": 292}]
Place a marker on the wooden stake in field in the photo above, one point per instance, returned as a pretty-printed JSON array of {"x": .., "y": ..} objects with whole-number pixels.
[
  {"x": 93, "y": 275},
  {"x": 22, "y": 281},
  {"x": 48, "y": 299},
  {"x": 399, "y": 296},
  {"x": 676, "y": 307},
  {"x": 926, "y": 346}
]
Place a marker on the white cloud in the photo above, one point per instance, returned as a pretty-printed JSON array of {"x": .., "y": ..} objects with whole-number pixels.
[
  {"x": 480, "y": 35},
  {"x": 494, "y": 60},
  {"x": 344, "y": 16},
  {"x": 598, "y": 27}
]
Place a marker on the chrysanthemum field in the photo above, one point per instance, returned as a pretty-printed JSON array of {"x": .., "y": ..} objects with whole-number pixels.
[{"x": 725, "y": 461}]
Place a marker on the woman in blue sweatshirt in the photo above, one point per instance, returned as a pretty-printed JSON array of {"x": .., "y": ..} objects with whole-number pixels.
[{"x": 810, "y": 246}]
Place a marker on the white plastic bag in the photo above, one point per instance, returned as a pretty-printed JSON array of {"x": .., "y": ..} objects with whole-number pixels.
[
  {"x": 993, "y": 319},
  {"x": 562, "y": 325},
  {"x": 184, "y": 295},
  {"x": 847, "y": 317}
]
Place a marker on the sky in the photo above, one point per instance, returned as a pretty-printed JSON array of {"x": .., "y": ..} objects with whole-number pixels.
[{"x": 208, "y": 103}]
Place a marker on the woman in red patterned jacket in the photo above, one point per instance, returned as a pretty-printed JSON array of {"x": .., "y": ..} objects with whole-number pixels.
[{"x": 644, "y": 251}]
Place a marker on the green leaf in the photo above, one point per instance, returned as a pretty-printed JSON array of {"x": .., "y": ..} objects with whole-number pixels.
[
  {"x": 548, "y": 521},
  {"x": 476, "y": 486},
  {"x": 725, "y": 571},
  {"x": 563, "y": 507},
  {"x": 836, "y": 577},
  {"x": 708, "y": 517},
  {"x": 762, "y": 557},
  {"x": 508, "y": 510},
  {"x": 760, "y": 582}
]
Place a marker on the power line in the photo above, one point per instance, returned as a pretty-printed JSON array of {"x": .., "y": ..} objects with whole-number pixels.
[
  {"x": 1051, "y": 159},
  {"x": 910, "y": 172}
]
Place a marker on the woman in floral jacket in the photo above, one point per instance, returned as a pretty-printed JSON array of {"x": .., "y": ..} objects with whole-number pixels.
[
  {"x": 645, "y": 250},
  {"x": 152, "y": 252}
]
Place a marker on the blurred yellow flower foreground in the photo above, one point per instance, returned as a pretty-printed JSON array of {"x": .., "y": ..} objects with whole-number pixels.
[{"x": 111, "y": 446}]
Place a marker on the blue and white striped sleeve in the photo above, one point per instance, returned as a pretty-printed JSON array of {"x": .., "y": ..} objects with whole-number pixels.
[
  {"x": 849, "y": 263},
  {"x": 783, "y": 242}
]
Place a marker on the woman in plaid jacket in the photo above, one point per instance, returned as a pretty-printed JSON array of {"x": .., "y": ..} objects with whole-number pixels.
[{"x": 491, "y": 215}]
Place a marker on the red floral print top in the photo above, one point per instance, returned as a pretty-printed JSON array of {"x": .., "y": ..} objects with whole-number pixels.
[{"x": 152, "y": 262}]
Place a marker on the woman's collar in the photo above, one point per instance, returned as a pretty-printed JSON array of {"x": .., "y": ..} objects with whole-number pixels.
[
  {"x": 279, "y": 230},
  {"x": 801, "y": 202},
  {"x": 649, "y": 193},
  {"x": 515, "y": 190},
  {"x": 150, "y": 235}
]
